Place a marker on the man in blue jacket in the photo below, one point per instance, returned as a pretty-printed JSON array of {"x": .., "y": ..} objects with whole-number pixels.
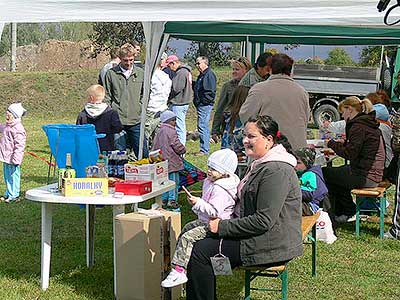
[{"x": 205, "y": 88}]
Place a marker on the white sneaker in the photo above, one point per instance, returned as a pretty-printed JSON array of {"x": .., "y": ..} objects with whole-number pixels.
[
  {"x": 352, "y": 218},
  {"x": 174, "y": 278}
]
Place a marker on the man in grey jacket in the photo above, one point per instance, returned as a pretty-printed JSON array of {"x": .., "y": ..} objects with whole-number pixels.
[
  {"x": 181, "y": 94},
  {"x": 124, "y": 91}
]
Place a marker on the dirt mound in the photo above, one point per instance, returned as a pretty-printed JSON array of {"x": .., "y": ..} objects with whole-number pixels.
[{"x": 55, "y": 55}]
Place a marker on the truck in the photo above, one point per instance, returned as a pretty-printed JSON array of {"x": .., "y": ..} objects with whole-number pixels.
[{"x": 327, "y": 85}]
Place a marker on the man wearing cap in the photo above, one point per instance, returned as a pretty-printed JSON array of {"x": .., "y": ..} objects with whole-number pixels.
[
  {"x": 205, "y": 89},
  {"x": 159, "y": 93},
  {"x": 181, "y": 94},
  {"x": 124, "y": 91}
]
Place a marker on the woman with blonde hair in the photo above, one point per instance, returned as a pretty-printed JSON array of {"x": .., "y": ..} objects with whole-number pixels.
[
  {"x": 240, "y": 66},
  {"x": 363, "y": 148}
]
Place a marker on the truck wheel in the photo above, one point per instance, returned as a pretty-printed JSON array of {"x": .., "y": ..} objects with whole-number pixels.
[
  {"x": 325, "y": 112},
  {"x": 386, "y": 80}
]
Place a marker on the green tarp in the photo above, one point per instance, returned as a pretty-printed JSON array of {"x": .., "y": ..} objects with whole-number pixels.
[{"x": 284, "y": 34}]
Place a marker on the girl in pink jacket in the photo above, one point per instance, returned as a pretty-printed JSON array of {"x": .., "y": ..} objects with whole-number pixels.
[
  {"x": 12, "y": 146},
  {"x": 218, "y": 201},
  {"x": 172, "y": 149}
]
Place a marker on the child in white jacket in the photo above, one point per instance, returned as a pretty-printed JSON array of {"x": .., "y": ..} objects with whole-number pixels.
[{"x": 218, "y": 201}]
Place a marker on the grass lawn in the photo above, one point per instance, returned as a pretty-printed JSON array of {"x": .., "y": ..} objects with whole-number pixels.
[{"x": 364, "y": 268}]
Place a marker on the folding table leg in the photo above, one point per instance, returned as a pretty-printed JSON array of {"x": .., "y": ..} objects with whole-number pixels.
[
  {"x": 47, "y": 217},
  {"x": 90, "y": 225}
]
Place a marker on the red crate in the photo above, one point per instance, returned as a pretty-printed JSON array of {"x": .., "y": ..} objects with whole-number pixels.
[{"x": 134, "y": 187}]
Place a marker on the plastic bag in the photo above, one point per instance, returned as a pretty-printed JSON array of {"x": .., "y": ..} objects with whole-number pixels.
[{"x": 324, "y": 228}]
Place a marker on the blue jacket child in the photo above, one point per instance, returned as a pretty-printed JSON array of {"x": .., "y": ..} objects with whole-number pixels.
[{"x": 312, "y": 183}]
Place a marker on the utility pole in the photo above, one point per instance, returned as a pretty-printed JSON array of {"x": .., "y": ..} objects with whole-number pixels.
[{"x": 13, "y": 46}]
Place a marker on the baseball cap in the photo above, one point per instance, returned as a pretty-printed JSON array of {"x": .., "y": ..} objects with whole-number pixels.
[{"x": 171, "y": 59}]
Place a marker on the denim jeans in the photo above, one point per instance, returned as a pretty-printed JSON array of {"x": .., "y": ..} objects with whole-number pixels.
[
  {"x": 12, "y": 178},
  {"x": 180, "y": 111},
  {"x": 172, "y": 195},
  {"x": 130, "y": 140},
  {"x": 203, "y": 120}
]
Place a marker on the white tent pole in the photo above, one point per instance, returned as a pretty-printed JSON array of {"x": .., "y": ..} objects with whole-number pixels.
[
  {"x": 153, "y": 32},
  {"x": 1, "y": 29},
  {"x": 13, "y": 46}
]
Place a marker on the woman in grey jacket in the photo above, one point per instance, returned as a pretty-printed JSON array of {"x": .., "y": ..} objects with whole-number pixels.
[{"x": 268, "y": 231}]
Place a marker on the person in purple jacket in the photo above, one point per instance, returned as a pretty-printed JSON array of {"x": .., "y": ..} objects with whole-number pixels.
[
  {"x": 312, "y": 183},
  {"x": 12, "y": 147},
  {"x": 218, "y": 201},
  {"x": 172, "y": 149}
]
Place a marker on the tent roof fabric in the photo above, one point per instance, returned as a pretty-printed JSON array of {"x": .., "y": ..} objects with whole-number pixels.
[
  {"x": 299, "y": 12},
  {"x": 285, "y": 34}
]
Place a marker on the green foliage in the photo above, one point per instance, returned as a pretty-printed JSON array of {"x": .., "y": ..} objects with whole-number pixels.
[
  {"x": 339, "y": 57},
  {"x": 108, "y": 35},
  {"x": 371, "y": 55},
  {"x": 37, "y": 33},
  {"x": 218, "y": 54}
]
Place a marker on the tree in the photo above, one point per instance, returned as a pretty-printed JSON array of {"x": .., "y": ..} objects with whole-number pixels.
[
  {"x": 339, "y": 57},
  {"x": 108, "y": 35},
  {"x": 218, "y": 53},
  {"x": 371, "y": 55}
]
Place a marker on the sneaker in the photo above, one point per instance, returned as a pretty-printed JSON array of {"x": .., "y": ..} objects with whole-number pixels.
[
  {"x": 3, "y": 199},
  {"x": 173, "y": 206},
  {"x": 164, "y": 204},
  {"x": 14, "y": 200},
  {"x": 389, "y": 235},
  {"x": 352, "y": 218},
  {"x": 341, "y": 218},
  {"x": 174, "y": 278}
]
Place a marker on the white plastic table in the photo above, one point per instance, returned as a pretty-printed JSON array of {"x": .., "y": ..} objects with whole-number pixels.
[{"x": 48, "y": 198}]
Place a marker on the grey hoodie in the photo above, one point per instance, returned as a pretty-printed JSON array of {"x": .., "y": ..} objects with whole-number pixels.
[{"x": 181, "y": 91}]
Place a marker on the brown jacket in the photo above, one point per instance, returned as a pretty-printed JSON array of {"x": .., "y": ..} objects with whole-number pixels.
[
  {"x": 364, "y": 147},
  {"x": 285, "y": 101}
]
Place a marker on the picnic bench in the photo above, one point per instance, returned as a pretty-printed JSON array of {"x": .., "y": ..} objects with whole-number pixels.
[
  {"x": 371, "y": 195},
  {"x": 309, "y": 233}
]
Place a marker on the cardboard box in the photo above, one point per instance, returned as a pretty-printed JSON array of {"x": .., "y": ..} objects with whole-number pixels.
[
  {"x": 144, "y": 245},
  {"x": 87, "y": 187},
  {"x": 157, "y": 173}
]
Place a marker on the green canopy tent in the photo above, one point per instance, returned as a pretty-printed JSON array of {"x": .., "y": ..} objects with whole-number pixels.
[{"x": 259, "y": 32}]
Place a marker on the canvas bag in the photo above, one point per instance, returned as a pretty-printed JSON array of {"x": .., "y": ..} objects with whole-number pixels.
[{"x": 324, "y": 228}]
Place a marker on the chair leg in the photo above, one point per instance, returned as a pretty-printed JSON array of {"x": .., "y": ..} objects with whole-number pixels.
[
  {"x": 247, "y": 281},
  {"x": 358, "y": 203},
  {"x": 284, "y": 278},
  {"x": 314, "y": 250},
  {"x": 382, "y": 201}
]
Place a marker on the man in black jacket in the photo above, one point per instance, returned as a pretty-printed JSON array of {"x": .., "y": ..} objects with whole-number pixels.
[{"x": 205, "y": 88}]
